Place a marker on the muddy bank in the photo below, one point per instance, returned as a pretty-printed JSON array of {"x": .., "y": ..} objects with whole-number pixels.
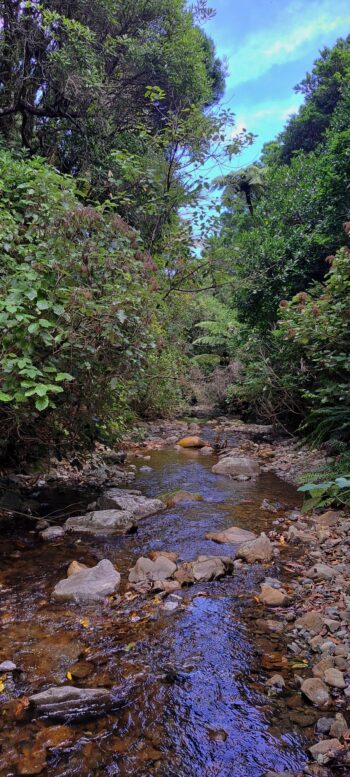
[{"x": 189, "y": 676}]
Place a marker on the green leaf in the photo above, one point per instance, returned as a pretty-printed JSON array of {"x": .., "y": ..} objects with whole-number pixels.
[
  {"x": 5, "y": 397},
  {"x": 42, "y": 403},
  {"x": 63, "y": 376}
]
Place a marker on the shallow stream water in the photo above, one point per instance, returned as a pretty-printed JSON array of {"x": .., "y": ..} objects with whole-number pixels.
[{"x": 198, "y": 706}]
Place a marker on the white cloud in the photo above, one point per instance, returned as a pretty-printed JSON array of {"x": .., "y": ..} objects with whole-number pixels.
[{"x": 298, "y": 27}]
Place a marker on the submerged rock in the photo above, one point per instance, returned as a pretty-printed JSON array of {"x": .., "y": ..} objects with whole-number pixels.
[
  {"x": 88, "y": 586},
  {"x": 232, "y": 535},
  {"x": 260, "y": 549},
  {"x": 170, "y": 500},
  {"x": 72, "y": 703},
  {"x": 237, "y": 466},
  {"x": 102, "y": 522}
]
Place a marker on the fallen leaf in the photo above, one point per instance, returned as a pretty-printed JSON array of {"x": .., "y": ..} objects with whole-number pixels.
[
  {"x": 129, "y": 647},
  {"x": 85, "y": 623},
  {"x": 69, "y": 676}
]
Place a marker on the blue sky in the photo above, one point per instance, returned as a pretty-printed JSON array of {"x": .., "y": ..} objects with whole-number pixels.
[{"x": 269, "y": 45}]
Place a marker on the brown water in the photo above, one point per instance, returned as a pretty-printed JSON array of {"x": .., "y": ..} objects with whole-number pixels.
[{"x": 198, "y": 706}]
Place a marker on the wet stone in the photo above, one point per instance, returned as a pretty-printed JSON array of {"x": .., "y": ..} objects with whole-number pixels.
[
  {"x": 88, "y": 586},
  {"x": 68, "y": 702}
]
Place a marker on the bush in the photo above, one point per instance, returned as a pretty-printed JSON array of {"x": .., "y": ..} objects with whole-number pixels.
[{"x": 76, "y": 309}]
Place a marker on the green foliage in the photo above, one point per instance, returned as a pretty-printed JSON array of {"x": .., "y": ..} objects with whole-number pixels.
[
  {"x": 77, "y": 307},
  {"x": 318, "y": 322},
  {"x": 332, "y": 492}
]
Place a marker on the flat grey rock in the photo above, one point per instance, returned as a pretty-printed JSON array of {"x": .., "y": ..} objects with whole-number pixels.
[
  {"x": 72, "y": 703},
  {"x": 137, "y": 505},
  {"x": 102, "y": 522},
  {"x": 88, "y": 586}
]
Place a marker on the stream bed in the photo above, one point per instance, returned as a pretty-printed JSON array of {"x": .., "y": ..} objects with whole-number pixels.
[{"x": 198, "y": 705}]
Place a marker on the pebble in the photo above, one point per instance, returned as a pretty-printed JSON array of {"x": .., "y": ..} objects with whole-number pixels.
[
  {"x": 335, "y": 678},
  {"x": 7, "y": 666}
]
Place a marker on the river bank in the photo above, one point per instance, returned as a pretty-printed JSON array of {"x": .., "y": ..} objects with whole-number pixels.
[{"x": 207, "y": 675}]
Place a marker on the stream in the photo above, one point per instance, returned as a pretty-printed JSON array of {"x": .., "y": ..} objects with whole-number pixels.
[{"x": 198, "y": 705}]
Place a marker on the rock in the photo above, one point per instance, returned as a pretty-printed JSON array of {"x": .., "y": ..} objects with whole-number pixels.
[
  {"x": 170, "y": 500},
  {"x": 7, "y": 666},
  {"x": 330, "y": 518},
  {"x": 323, "y": 725},
  {"x": 235, "y": 466},
  {"x": 276, "y": 681},
  {"x": 234, "y": 534},
  {"x": 72, "y": 703},
  {"x": 327, "y": 748},
  {"x": 88, "y": 586},
  {"x": 260, "y": 549},
  {"x": 319, "y": 669},
  {"x": 52, "y": 533},
  {"x": 102, "y": 522},
  {"x": 42, "y": 524},
  {"x": 135, "y": 504},
  {"x": 312, "y": 621},
  {"x": 146, "y": 570},
  {"x": 191, "y": 442},
  {"x": 203, "y": 569},
  {"x": 154, "y": 554},
  {"x": 276, "y": 627},
  {"x": 207, "y": 568},
  {"x": 316, "y": 691},
  {"x": 297, "y": 535},
  {"x": 184, "y": 573},
  {"x": 273, "y": 597},
  {"x": 74, "y": 567},
  {"x": 334, "y": 677},
  {"x": 145, "y": 468},
  {"x": 339, "y": 726},
  {"x": 321, "y": 572},
  {"x": 168, "y": 586}
]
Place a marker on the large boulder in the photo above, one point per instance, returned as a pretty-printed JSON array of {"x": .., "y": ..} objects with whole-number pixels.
[
  {"x": 235, "y": 466},
  {"x": 102, "y": 522},
  {"x": 232, "y": 535},
  {"x": 146, "y": 570},
  {"x": 68, "y": 702},
  {"x": 191, "y": 442},
  {"x": 89, "y": 585},
  {"x": 133, "y": 502},
  {"x": 260, "y": 549}
]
